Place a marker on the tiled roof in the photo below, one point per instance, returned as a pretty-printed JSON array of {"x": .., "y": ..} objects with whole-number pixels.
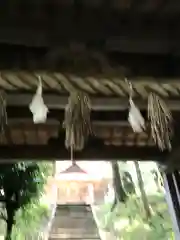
[{"x": 21, "y": 133}]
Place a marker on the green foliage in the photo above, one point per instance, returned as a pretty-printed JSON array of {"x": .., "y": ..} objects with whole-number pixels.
[
  {"x": 29, "y": 221},
  {"x": 128, "y": 222},
  {"x": 21, "y": 184}
]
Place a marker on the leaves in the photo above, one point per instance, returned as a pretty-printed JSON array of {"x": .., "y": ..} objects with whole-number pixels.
[
  {"x": 29, "y": 221},
  {"x": 21, "y": 184},
  {"x": 24, "y": 186}
]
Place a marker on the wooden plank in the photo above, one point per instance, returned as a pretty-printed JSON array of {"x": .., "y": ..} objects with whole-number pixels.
[
  {"x": 15, "y": 122},
  {"x": 97, "y": 153},
  {"x": 98, "y": 103},
  {"x": 119, "y": 132},
  {"x": 22, "y": 113}
]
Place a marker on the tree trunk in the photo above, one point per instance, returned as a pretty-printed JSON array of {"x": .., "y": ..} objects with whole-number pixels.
[
  {"x": 9, "y": 229},
  {"x": 54, "y": 168},
  {"x": 120, "y": 195},
  {"x": 128, "y": 183},
  {"x": 10, "y": 220},
  {"x": 142, "y": 190}
]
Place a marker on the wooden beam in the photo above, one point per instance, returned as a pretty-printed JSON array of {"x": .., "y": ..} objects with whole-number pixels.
[
  {"x": 103, "y": 153},
  {"x": 172, "y": 187},
  {"x": 56, "y": 122},
  {"x": 16, "y": 114},
  {"x": 98, "y": 103},
  {"x": 84, "y": 62}
]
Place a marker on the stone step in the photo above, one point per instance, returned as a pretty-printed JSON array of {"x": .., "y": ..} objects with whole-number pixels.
[
  {"x": 74, "y": 222},
  {"x": 70, "y": 236},
  {"x": 57, "y": 238},
  {"x": 75, "y": 233}
]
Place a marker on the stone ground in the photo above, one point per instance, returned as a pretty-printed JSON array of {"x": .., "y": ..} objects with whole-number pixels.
[{"x": 74, "y": 222}]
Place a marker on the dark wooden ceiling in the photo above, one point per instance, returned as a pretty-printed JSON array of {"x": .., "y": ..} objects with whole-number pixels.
[{"x": 149, "y": 26}]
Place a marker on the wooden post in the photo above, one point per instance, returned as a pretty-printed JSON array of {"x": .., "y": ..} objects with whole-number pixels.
[{"x": 172, "y": 187}]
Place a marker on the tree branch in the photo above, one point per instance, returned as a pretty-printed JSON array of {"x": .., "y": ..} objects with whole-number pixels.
[{"x": 2, "y": 216}]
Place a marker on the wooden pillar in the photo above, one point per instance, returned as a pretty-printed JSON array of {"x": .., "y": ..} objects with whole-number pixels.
[{"x": 172, "y": 187}]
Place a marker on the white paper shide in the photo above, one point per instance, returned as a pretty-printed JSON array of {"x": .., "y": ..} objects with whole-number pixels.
[
  {"x": 135, "y": 118},
  {"x": 38, "y": 107}
]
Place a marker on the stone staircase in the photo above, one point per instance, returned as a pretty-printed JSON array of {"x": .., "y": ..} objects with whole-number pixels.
[{"x": 74, "y": 222}]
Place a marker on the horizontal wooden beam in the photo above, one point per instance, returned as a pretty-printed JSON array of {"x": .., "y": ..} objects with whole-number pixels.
[
  {"x": 98, "y": 103},
  {"x": 23, "y": 114},
  {"x": 103, "y": 153},
  {"x": 13, "y": 122},
  {"x": 80, "y": 59}
]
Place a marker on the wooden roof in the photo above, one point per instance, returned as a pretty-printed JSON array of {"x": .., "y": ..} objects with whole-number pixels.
[
  {"x": 25, "y": 141},
  {"x": 26, "y": 133}
]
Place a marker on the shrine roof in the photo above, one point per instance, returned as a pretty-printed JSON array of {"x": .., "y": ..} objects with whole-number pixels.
[{"x": 26, "y": 133}]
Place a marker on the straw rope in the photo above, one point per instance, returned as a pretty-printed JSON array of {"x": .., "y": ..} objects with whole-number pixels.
[
  {"x": 161, "y": 121},
  {"x": 93, "y": 85},
  {"x": 77, "y": 121}
]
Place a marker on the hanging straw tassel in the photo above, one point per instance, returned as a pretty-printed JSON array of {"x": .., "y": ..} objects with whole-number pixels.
[
  {"x": 3, "y": 113},
  {"x": 77, "y": 121},
  {"x": 161, "y": 120}
]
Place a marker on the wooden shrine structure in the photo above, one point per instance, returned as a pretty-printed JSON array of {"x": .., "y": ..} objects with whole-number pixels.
[
  {"x": 90, "y": 45},
  {"x": 113, "y": 137}
]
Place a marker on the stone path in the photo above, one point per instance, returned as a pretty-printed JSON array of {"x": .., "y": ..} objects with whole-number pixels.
[{"x": 74, "y": 222}]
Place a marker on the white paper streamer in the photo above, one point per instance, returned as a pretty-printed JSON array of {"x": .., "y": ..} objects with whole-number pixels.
[
  {"x": 135, "y": 118},
  {"x": 38, "y": 107}
]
